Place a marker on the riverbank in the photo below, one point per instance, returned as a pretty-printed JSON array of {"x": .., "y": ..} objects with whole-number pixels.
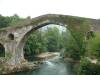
[
  {"x": 47, "y": 55},
  {"x": 8, "y": 69},
  {"x": 52, "y": 66},
  {"x": 78, "y": 61},
  {"x": 67, "y": 59}
]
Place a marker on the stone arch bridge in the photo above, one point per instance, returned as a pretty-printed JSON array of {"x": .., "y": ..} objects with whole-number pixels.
[{"x": 13, "y": 38}]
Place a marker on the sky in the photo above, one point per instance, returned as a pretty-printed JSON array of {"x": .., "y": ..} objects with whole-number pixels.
[
  {"x": 60, "y": 28},
  {"x": 34, "y": 8}
]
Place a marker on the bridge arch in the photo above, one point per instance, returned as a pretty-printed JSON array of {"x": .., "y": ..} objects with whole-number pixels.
[
  {"x": 25, "y": 37},
  {"x": 11, "y": 36},
  {"x": 2, "y": 50},
  {"x": 77, "y": 26}
]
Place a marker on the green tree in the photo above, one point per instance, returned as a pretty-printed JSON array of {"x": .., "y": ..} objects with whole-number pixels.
[
  {"x": 88, "y": 68},
  {"x": 53, "y": 37},
  {"x": 35, "y": 44},
  {"x": 93, "y": 46},
  {"x": 4, "y": 21}
]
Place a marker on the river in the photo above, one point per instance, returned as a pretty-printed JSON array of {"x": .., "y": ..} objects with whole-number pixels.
[{"x": 54, "y": 66}]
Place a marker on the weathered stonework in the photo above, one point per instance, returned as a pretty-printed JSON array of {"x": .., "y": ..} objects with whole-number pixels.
[{"x": 14, "y": 48}]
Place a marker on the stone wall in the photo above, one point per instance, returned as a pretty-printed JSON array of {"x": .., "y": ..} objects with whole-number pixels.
[{"x": 13, "y": 38}]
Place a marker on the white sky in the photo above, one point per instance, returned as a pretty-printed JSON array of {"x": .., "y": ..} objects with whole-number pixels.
[
  {"x": 33, "y": 8},
  {"x": 61, "y": 28}
]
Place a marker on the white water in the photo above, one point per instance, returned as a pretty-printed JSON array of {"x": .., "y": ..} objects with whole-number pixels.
[{"x": 49, "y": 63}]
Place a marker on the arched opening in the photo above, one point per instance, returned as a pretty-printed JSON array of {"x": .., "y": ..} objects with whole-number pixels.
[
  {"x": 56, "y": 40},
  {"x": 41, "y": 41},
  {"x": 76, "y": 25},
  {"x": 11, "y": 36},
  {"x": 2, "y": 50}
]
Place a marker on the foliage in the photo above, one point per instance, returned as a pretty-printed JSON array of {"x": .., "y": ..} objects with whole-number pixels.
[
  {"x": 93, "y": 46},
  {"x": 53, "y": 38},
  {"x": 42, "y": 41},
  {"x": 72, "y": 49},
  {"x": 9, "y": 20},
  {"x": 35, "y": 44},
  {"x": 88, "y": 68},
  {"x": 4, "y": 21}
]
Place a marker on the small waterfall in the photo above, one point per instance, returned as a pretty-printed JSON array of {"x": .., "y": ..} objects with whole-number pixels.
[
  {"x": 48, "y": 63},
  {"x": 51, "y": 61}
]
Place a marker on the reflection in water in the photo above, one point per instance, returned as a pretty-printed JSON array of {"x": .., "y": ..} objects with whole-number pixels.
[{"x": 51, "y": 67}]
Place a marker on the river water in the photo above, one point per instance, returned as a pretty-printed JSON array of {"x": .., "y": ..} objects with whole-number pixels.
[{"x": 51, "y": 67}]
